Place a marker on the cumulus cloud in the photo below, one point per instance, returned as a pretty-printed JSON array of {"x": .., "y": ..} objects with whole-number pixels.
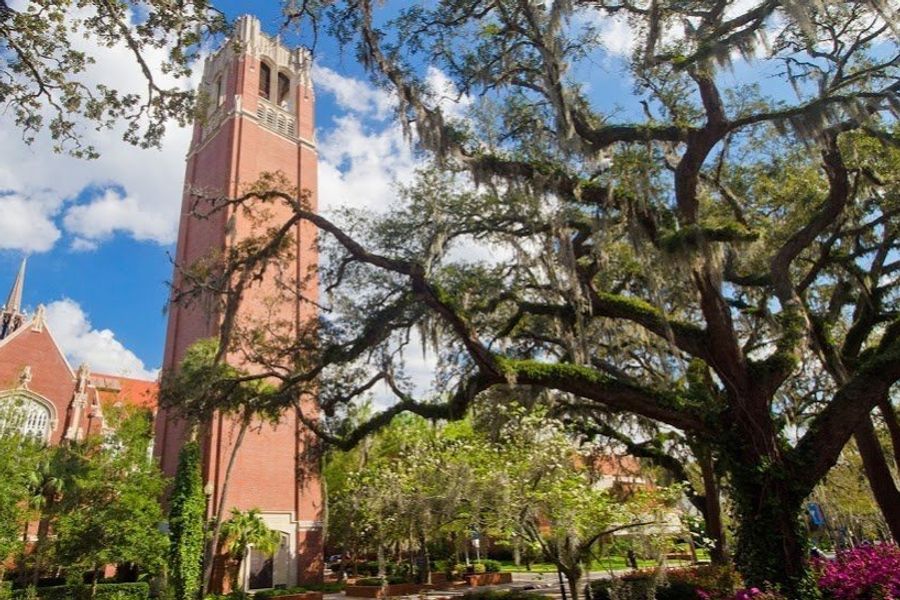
[
  {"x": 353, "y": 94},
  {"x": 151, "y": 179},
  {"x": 98, "y": 348},
  {"x": 27, "y": 222},
  {"x": 111, "y": 212},
  {"x": 360, "y": 166},
  {"x": 446, "y": 94}
]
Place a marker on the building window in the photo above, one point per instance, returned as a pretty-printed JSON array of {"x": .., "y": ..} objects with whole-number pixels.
[
  {"x": 24, "y": 415},
  {"x": 265, "y": 80},
  {"x": 220, "y": 91},
  {"x": 284, "y": 90}
]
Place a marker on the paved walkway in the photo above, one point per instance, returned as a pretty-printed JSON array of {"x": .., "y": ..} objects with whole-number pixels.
[{"x": 545, "y": 584}]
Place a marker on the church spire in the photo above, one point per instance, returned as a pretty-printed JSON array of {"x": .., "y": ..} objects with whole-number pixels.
[
  {"x": 11, "y": 316},
  {"x": 14, "y": 300}
]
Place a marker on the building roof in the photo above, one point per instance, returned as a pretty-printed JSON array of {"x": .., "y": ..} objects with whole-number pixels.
[{"x": 115, "y": 389}]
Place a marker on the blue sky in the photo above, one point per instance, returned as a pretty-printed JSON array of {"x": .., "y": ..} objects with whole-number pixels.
[{"x": 98, "y": 234}]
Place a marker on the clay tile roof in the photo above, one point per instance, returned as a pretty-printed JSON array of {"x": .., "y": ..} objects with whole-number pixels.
[{"x": 113, "y": 389}]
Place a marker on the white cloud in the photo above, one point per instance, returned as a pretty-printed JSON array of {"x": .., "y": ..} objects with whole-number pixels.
[
  {"x": 27, "y": 222},
  {"x": 359, "y": 167},
  {"x": 352, "y": 94},
  {"x": 111, "y": 212},
  {"x": 151, "y": 178},
  {"x": 444, "y": 91},
  {"x": 617, "y": 34},
  {"x": 99, "y": 348}
]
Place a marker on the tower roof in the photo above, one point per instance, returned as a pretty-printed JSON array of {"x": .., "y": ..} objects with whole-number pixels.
[{"x": 14, "y": 300}]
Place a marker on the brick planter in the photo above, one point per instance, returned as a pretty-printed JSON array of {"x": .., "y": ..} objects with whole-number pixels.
[
  {"x": 479, "y": 579},
  {"x": 300, "y": 596},
  {"x": 394, "y": 589}
]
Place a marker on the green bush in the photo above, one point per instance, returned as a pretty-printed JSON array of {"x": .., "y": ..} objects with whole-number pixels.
[
  {"x": 479, "y": 568},
  {"x": 235, "y": 595},
  {"x": 263, "y": 595},
  {"x": 640, "y": 588},
  {"x": 105, "y": 591},
  {"x": 391, "y": 580},
  {"x": 328, "y": 587},
  {"x": 491, "y": 566}
]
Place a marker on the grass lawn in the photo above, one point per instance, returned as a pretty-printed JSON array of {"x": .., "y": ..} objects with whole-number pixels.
[{"x": 610, "y": 563}]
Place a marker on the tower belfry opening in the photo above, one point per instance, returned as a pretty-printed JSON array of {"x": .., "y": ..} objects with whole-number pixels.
[{"x": 262, "y": 121}]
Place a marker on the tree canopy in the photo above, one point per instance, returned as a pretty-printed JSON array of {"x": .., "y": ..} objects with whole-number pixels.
[{"x": 680, "y": 261}]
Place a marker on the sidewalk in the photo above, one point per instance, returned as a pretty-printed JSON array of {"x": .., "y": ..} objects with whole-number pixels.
[{"x": 545, "y": 584}]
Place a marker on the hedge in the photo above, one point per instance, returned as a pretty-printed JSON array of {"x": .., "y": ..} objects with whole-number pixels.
[{"x": 105, "y": 591}]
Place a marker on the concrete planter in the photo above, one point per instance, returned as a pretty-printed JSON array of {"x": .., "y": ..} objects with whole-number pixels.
[
  {"x": 388, "y": 591},
  {"x": 479, "y": 579}
]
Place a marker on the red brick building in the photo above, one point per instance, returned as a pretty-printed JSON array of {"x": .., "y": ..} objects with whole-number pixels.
[
  {"x": 259, "y": 120},
  {"x": 49, "y": 399}
]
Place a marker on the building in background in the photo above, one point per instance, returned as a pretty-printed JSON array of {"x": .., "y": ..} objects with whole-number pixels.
[
  {"x": 259, "y": 120},
  {"x": 41, "y": 394}
]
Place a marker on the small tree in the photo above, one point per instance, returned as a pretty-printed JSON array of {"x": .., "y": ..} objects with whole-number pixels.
[
  {"x": 112, "y": 513},
  {"x": 245, "y": 530},
  {"x": 18, "y": 457}
]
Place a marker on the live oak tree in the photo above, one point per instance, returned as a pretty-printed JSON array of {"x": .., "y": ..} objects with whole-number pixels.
[
  {"x": 675, "y": 263},
  {"x": 46, "y": 79}
]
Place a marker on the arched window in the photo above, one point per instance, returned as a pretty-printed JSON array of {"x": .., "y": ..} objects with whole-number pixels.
[
  {"x": 265, "y": 80},
  {"x": 284, "y": 90},
  {"x": 220, "y": 91},
  {"x": 26, "y": 415}
]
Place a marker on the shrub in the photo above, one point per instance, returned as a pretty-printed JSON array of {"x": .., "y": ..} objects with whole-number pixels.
[
  {"x": 479, "y": 568},
  {"x": 369, "y": 568},
  {"x": 695, "y": 583},
  {"x": 265, "y": 594},
  {"x": 391, "y": 580},
  {"x": 863, "y": 573},
  {"x": 328, "y": 587},
  {"x": 105, "y": 591},
  {"x": 491, "y": 566}
]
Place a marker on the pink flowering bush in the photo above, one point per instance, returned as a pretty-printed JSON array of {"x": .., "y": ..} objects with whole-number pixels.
[{"x": 864, "y": 573}]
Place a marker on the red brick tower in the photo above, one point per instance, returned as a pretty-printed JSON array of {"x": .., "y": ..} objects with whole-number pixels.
[{"x": 259, "y": 120}]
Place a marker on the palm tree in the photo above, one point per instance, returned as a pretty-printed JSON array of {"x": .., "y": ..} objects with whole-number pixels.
[{"x": 243, "y": 531}]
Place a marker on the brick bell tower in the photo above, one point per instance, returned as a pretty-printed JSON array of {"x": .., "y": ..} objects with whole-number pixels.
[{"x": 259, "y": 120}]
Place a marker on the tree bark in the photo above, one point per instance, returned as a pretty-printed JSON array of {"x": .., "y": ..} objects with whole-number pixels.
[
  {"x": 712, "y": 514},
  {"x": 893, "y": 426},
  {"x": 213, "y": 545},
  {"x": 884, "y": 489}
]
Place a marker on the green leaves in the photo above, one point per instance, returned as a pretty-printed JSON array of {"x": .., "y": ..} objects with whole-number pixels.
[{"x": 187, "y": 514}]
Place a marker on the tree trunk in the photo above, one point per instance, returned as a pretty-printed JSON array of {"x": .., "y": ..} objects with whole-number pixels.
[
  {"x": 40, "y": 545},
  {"x": 213, "y": 545},
  {"x": 893, "y": 426},
  {"x": 381, "y": 565},
  {"x": 771, "y": 544},
  {"x": 426, "y": 558},
  {"x": 517, "y": 553},
  {"x": 573, "y": 577},
  {"x": 879, "y": 475},
  {"x": 94, "y": 579},
  {"x": 712, "y": 515}
]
